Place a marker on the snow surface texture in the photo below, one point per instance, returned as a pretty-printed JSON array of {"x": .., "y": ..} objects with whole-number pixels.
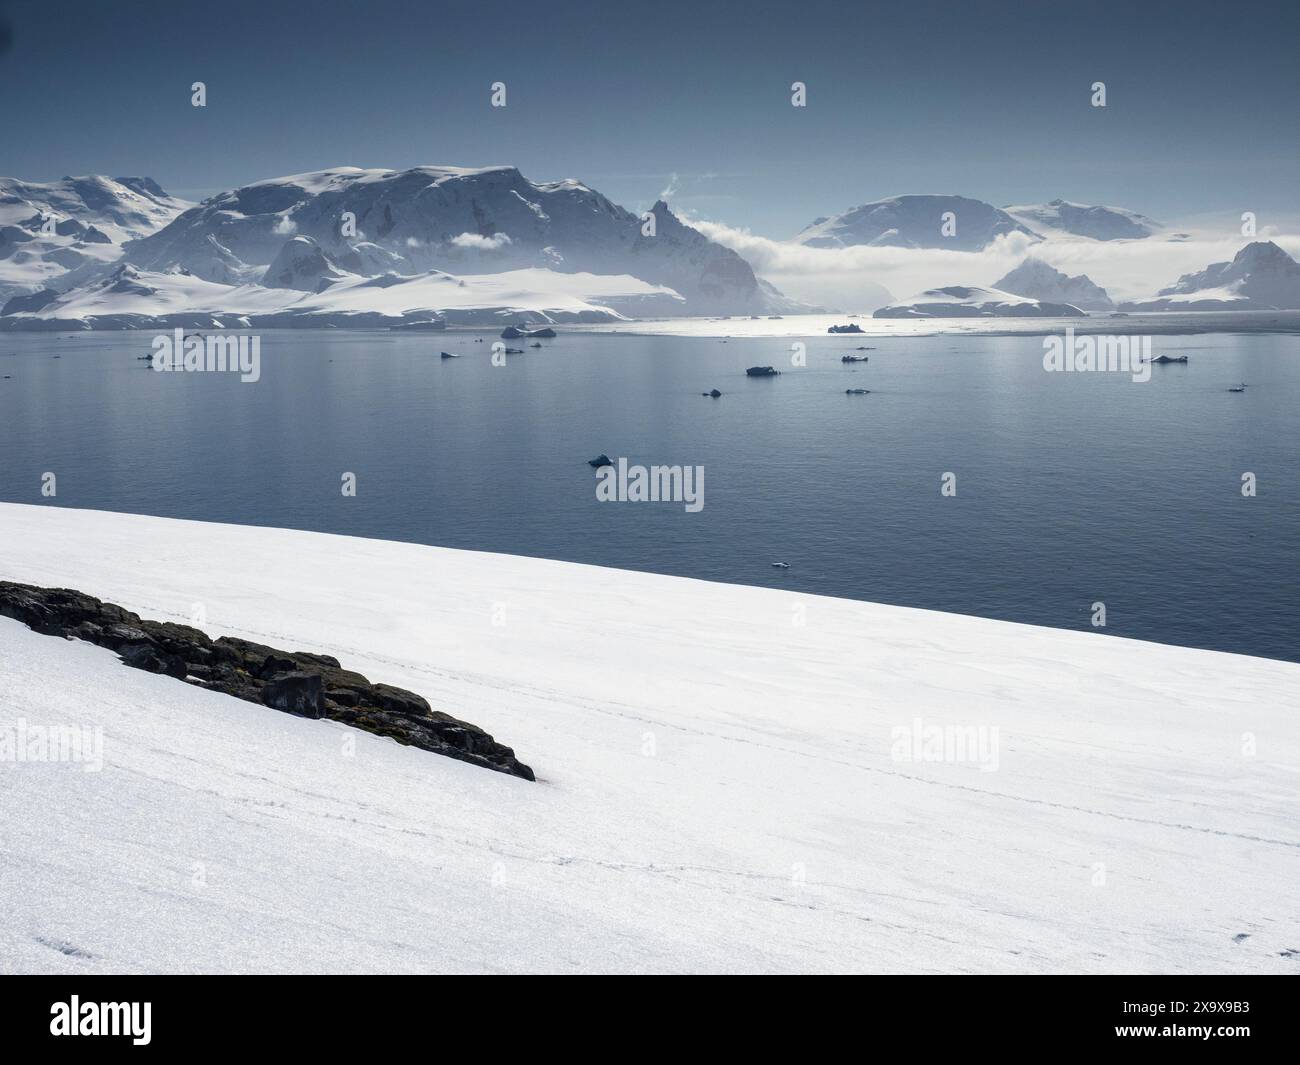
[{"x": 716, "y": 788}]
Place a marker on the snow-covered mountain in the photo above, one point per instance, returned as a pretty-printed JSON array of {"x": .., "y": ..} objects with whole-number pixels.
[
  {"x": 120, "y": 209},
  {"x": 53, "y": 232},
  {"x": 1260, "y": 277},
  {"x": 972, "y": 301},
  {"x": 1038, "y": 280},
  {"x": 914, "y": 222},
  {"x": 1061, "y": 218},
  {"x": 718, "y": 796},
  {"x": 470, "y": 221}
]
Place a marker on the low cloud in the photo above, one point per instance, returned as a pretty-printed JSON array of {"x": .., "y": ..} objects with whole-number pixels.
[
  {"x": 480, "y": 242},
  {"x": 863, "y": 278}
]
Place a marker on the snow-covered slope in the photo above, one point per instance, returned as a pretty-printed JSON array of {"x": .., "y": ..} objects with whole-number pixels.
[
  {"x": 972, "y": 301},
  {"x": 122, "y": 209},
  {"x": 1063, "y": 218},
  {"x": 1038, "y": 280},
  {"x": 302, "y": 264},
  {"x": 128, "y": 298},
  {"x": 719, "y": 786},
  {"x": 1260, "y": 277},
  {"x": 472, "y": 221},
  {"x": 49, "y": 231},
  {"x": 914, "y": 222}
]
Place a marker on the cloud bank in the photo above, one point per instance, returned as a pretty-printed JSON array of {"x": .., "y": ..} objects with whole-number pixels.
[{"x": 864, "y": 278}]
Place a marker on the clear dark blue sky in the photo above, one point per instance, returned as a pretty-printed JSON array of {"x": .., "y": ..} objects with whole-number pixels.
[{"x": 982, "y": 98}]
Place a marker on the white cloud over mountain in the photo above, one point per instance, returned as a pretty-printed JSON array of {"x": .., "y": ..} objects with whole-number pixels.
[{"x": 864, "y": 278}]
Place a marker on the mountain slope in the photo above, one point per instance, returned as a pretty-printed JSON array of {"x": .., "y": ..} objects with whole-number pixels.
[
  {"x": 1061, "y": 217},
  {"x": 302, "y": 264},
  {"x": 1038, "y": 280},
  {"x": 914, "y": 222},
  {"x": 1261, "y": 276},
  {"x": 716, "y": 796},
  {"x": 121, "y": 209},
  {"x": 472, "y": 221},
  {"x": 53, "y": 232}
]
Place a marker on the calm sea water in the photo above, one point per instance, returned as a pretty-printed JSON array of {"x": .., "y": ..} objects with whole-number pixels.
[{"x": 1071, "y": 488}]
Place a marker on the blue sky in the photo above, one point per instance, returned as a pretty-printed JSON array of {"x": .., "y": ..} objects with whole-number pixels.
[{"x": 983, "y": 99}]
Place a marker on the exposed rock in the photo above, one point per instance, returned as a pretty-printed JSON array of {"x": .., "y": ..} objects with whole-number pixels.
[
  {"x": 31, "y": 302},
  {"x": 762, "y": 371},
  {"x": 600, "y": 460},
  {"x": 296, "y": 682},
  {"x": 296, "y": 693},
  {"x": 852, "y": 327}
]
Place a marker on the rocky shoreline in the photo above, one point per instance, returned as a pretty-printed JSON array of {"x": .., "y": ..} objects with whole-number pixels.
[{"x": 296, "y": 682}]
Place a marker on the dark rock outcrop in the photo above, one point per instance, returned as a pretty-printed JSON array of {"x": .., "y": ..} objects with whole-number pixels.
[
  {"x": 296, "y": 682},
  {"x": 29, "y": 303},
  {"x": 852, "y": 327},
  {"x": 762, "y": 371}
]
